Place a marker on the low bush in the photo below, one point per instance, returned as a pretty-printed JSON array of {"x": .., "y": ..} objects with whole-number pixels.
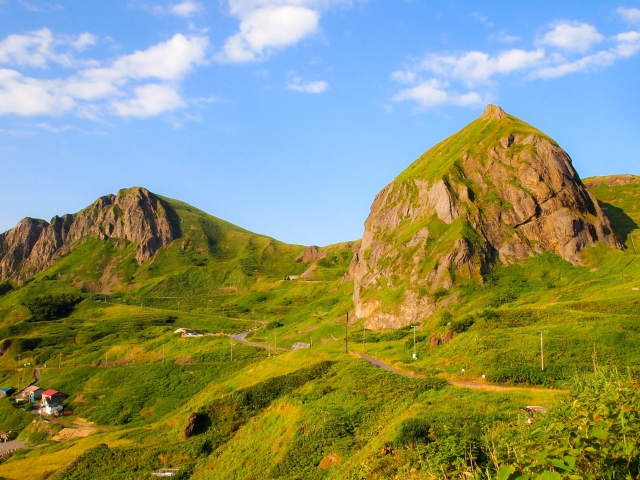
[
  {"x": 413, "y": 431},
  {"x": 5, "y": 287},
  {"x": 462, "y": 324},
  {"x": 530, "y": 374},
  {"x": 51, "y": 307}
]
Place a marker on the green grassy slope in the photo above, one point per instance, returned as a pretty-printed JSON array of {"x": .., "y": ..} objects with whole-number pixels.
[{"x": 126, "y": 371}]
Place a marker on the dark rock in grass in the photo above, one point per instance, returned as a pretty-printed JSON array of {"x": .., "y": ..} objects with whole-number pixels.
[{"x": 196, "y": 424}]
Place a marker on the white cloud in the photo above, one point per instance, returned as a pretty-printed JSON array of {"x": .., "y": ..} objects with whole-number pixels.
[
  {"x": 85, "y": 40},
  {"x": 628, "y": 44},
  {"x": 34, "y": 49},
  {"x": 27, "y": 97},
  {"x": 433, "y": 92},
  {"x": 186, "y": 8},
  {"x": 170, "y": 60},
  {"x": 149, "y": 101},
  {"x": 298, "y": 85},
  {"x": 630, "y": 15},
  {"x": 269, "y": 28},
  {"x": 141, "y": 84},
  {"x": 572, "y": 37},
  {"x": 270, "y": 25},
  {"x": 478, "y": 67},
  {"x": 437, "y": 79}
]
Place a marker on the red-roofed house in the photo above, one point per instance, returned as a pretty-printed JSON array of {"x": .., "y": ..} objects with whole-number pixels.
[{"x": 52, "y": 402}]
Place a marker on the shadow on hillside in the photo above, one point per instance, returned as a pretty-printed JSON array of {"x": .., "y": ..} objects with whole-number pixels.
[{"x": 621, "y": 222}]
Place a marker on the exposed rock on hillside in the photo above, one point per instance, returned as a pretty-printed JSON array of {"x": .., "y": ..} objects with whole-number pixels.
[
  {"x": 135, "y": 214},
  {"x": 497, "y": 190}
]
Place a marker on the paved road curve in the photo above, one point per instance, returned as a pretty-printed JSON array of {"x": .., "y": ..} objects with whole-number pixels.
[
  {"x": 480, "y": 386},
  {"x": 240, "y": 338},
  {"x": 11, "y": 446}
]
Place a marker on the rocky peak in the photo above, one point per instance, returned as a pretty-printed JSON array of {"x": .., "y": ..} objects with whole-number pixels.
[
  {"x": 493, "y": 112},
  {"x": 498, "y": 190},
  {"x": 134, "y": 214}
]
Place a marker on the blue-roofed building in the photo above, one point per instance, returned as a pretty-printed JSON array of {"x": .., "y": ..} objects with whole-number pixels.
[{"x": 6, "y": 391}]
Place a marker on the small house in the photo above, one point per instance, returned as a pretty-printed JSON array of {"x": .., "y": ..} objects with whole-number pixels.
[
  {"x": 6, "y": 391},
  {"x": 52, "y": 402},
  {"x": 32, "y": 393},
  {"x": 53, "y": 396}
]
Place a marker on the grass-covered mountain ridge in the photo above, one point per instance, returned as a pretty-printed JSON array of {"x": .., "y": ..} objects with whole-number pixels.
[{"x": 499, "y": 190}]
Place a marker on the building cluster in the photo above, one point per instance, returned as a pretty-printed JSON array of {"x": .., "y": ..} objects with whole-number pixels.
[{"x": 49, "y": 402}]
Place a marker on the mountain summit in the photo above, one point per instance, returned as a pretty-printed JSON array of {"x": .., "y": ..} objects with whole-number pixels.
[
  {"x": 134, "y": 214},
  {"x": 498, "y": 190}
]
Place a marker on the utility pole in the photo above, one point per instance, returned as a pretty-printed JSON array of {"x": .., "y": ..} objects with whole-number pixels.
[
  {"x": 162, "y": 353},
  {"x": 346, "y": 335},
  {"x": 415, "y": 357},
  {"x": 541, "y": 350},
  {"x": 60, "y": 360},
  {"x": 364, "y": 337},
  {"x": 275, "y": 341},
  {"x": 231, "y": 343},
  {"x": 634, "y": 244}
]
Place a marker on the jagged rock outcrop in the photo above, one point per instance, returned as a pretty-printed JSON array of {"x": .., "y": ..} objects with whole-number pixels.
[
  {"x": 134, "y": 214},
  {"x": 312, "y": 254},
  {"x": 498, "y": 190}
]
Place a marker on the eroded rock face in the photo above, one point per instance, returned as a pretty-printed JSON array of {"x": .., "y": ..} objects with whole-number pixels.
[
  {"x": 497, "y": 190},
  {"x": 136, "y": 215}
]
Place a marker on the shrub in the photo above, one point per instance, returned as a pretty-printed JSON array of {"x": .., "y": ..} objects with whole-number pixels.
[
  {"x": 462, "y": 325},
  {"x": 273, "y": 325},
  {"x": 445, "y": 319},
  {"x": 439, "y": 294},
  {"x": 412, "y": 432},
  {"x": 5, "y": 287},
  {"x": 530, "y": 374},
  {"x": 50, "y": 307}
]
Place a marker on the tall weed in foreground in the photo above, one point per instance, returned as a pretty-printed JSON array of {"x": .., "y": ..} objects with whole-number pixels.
[{"x": 594, "y": 434}]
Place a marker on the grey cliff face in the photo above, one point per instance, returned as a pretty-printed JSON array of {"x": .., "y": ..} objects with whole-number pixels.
[
  {"x": 518, "y": 197},
  {"x": 136, "y": 215}
]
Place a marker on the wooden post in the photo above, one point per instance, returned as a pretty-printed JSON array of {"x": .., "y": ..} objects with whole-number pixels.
[{"x": 346, "y": 335}]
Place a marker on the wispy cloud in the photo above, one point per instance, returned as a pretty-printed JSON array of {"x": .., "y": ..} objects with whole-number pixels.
[
  {"x": 44, "y": 7},
  {"x": 630, "y": 15},
  {"x": 298, "y": 85},
  {"x": 185, "y": 9},
  {"x": 470, "y": 78}
]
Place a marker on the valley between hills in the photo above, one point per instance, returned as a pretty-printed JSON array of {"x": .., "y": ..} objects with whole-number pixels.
[{"x": 183, "y": 342}]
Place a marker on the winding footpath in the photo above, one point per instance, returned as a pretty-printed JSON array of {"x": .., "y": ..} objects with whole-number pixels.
[{"x": 240, "y": 338}]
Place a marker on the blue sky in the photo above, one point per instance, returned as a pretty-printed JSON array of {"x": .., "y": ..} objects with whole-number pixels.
[{"x": 286, "y": 117}]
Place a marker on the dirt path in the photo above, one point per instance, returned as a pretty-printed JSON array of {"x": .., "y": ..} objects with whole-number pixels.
[{"x": 475, "y": 385}]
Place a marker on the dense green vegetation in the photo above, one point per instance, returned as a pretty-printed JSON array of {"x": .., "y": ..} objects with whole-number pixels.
[{"x": 318, "y": 412}]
